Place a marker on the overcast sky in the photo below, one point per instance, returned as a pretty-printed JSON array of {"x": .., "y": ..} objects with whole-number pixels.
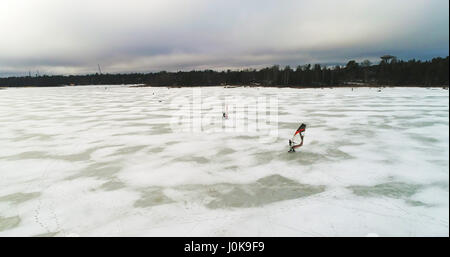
[{"x": 65, "y": 36}]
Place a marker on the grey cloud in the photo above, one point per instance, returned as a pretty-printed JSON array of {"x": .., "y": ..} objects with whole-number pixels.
[{"x": 62, "y": 36}]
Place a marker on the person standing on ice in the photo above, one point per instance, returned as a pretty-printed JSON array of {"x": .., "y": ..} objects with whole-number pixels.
[
  {"x": 225, "y": 113},
  {"x": 297, "y": 139}
]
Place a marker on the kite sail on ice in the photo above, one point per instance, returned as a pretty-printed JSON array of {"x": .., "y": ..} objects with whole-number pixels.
[{"x": 297, "y": 139}]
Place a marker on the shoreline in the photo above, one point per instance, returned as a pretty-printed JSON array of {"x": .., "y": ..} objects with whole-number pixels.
[{"x": 445, "y": 87}]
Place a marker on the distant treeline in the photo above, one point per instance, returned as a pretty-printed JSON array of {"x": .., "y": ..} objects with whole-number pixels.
[{"x": 389, "y": 72}]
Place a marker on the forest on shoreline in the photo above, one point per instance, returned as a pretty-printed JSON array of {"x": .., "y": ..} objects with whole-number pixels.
[{"x": 388, "y": 72}]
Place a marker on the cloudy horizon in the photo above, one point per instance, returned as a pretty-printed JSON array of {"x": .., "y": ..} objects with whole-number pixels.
[{"x": 65, "y": 37}]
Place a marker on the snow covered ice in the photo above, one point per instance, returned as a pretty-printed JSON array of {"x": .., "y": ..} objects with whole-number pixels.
[{"x": 125, "y": 161}]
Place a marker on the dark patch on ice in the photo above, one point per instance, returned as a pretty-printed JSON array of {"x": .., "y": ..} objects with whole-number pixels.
[
  {"x": 389, "y": 161},
  {"x": 152, "y": 197},
  {"x": 397, "y": 190},
  {"x": 385, "y": 125},
  {"x": 330, "y": 128},
  {"x": 301, "y": 156},
  {"x": 225, "y": 151},
  {"x": 232, "y": 167},
  {"x": 86, "y": 155},
  {"x": 306, "y": 157},
  {"x": 346, "y": 142},
  {"x": 41, "y": 137},
  {"x": 244, "y": 137},
  {"x": 172, "y": 142},
  {"x": 417, "y": 203},
  {"x": 113, "y": 185},
  {"x": 443, "y": 163},
  {"x": 403, "y": 117},
  {"x": 155, "y": 150},
  {"x": 360, "y": 132},
  {"x": 265, "y": 157},
  {"x": 422, "y": 138},
  {"x": 429, "y": 150},
  {"x": 98, "y": 170},
  {"x": 83, "y": 156},
  {"x": 314, "y": 142},
  {"x": 49, "y": 234},
  {"x": 158, "y": 116},
  {"x": 196, "y": 159},
  {"x": 128, "y": 150},
  {"x": 441, "y": 184},
  {"x": 34, "y": 117},
  {"x": 139, "y": 133},
  {"x": 157, "y": 129},
  {"x": 135, "y": 124},
  {"x": 18, "y": 198},
  {"x": 423, "y": 124},
  {"x": 264, "y": 191},
  {"x": 139, "y": 117},
  {"x": 9, "y": 222},
  {"x": 337, "y": 154},
  {"x": 328, "y": 115},
  {"x": 443, "y": 115},
  {"x": 26, "y": 155},
  {"x": 436, "y": 96}
]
